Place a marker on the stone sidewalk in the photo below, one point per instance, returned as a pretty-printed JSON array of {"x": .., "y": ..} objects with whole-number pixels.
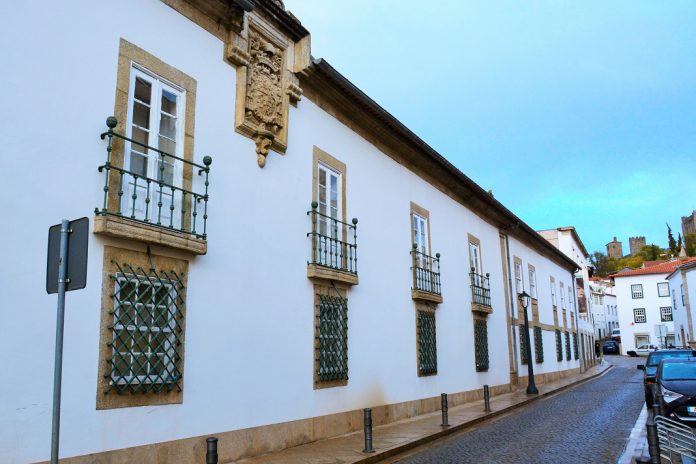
[
  {"x": 637, "y": 444},
  {"x": 397, "y": 437}
]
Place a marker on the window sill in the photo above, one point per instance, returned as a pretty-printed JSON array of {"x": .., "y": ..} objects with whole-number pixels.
[
  {"x": 479, "y": 308},
  {"x": 420, "y": 295},
  {"x": 121, "y": 227},
  {"x": 315, "y": 271}
]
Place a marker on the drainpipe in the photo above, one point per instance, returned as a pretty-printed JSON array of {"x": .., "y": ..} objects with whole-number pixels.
[
  {"x": 581, "y": 342},
  {"x": 513, "y": 298}
]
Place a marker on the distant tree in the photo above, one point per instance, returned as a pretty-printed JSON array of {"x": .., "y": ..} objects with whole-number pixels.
[
  {"x": 600, "y": 263},
  {"x": 671, "y": 242},
  {"x": 605, "y": 266},
  {"x": 651, "y": 252},
  {"x": 634, "y": 262},
  {"x": 690, "y": 244},
  {"x": 679, "y": 242}
]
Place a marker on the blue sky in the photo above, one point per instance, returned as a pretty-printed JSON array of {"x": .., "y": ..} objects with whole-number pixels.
[{"x": 573, "y": 113}]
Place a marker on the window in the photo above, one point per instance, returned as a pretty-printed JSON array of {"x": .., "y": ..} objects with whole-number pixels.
[
  {"x": 420, "y": 234},
  {"x": 532, "y": 282},
  {"x": 553, "y": 292},
  {"x": 559, "y": 346},
  {"x": 642, "y": 340},
  {"x": 480, "y": 284},
  {"x": 475, "y": 256},
  {"x": 666, "y": 313},
  {"x": 538, "y": 345},
  {"x": 147, "y": 320},
  {"x": 674, "y": 299},
  {"x": 682, "y": 295},
  {"x": 332, "y": 338},
  {"x": 519, "y": 284},
  {"x": 637, "y": 291},
  {"x": 567, "y": 345},
  {"x": 523, "y": 345},
  {"x": 563, "y": 305},
  {"x": 425, "y": 267},
  {"x": 571, "y": 303},
  {"x": 329, "y": 219},
  {"x": 427, "y": 344},
  {"x": 155, "y": 119},
  {"x": 576, "y": 347},
  {"x": 481, "y": 344},
  {"x": 662, "y": 289},
  {"x": 639, "y": 315}
]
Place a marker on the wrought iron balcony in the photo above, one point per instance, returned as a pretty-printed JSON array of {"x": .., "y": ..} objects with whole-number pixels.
[
  {"x": 480, "y": 288},
  {"x": 426, "y": 271},
  {"x": 164, "y": 200},
  {"x": 334, "y": 242}
]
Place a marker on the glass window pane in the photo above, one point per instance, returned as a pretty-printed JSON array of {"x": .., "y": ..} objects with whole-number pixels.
[
  {"x": 138, "y": 165},
  {"x": 168, "y": 146},
  {"x": 143, "y": 90},
  {"x": 126, "y": 291},
  {"x": 168, "y": 126},
  {"x": 142, "y": 138},
  {"x": 165, "y": 172},
  {"x": 168, "y": 102},
  {"x": 334, "y": 191},
  {"x": 322, "y": 177},
  {"x": 121, "y": 364},
  {"x": 140, "y": 342},
  {"x": 141, "y": 115}
]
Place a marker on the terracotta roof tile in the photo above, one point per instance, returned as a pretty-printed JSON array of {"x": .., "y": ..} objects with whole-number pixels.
[{"x": 664, "y": 268}]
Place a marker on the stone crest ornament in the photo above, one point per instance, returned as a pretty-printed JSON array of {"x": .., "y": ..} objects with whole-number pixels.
[
  {"x": 268, "y": 51},
  {"x": 264, "y": 102}
]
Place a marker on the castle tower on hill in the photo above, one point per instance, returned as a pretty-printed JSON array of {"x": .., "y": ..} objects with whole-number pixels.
[
  {"x": 689, "y": 224},
  {"x": 636, "y": 244},
  {"x": 615, "y": 249}
]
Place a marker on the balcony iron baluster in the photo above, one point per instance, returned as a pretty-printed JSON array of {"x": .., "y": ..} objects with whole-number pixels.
[
  {"x": 330, "y": 247},
  {"x": 426, "y": 271},
  {"x": 138, "y": 181},
  {"x": 480, "y": 288}
]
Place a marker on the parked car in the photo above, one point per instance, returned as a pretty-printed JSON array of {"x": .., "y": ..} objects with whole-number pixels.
[
  {"x": 610, "y": 347},
  {"x": 645, "y": 350},
  {"x": 650, "y": 369},
  {"x": 675, "y": 387},
  {"x": 616, "y": 335}
]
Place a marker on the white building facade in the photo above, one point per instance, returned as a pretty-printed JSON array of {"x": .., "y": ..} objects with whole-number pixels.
[
  {"x": 568, "y": 241},
  {"x": 230, "y": 290},
  {"x": 603, "y": 307},
  {"x": 682, "y": 286},
  {"x": 645, "y": 302}
]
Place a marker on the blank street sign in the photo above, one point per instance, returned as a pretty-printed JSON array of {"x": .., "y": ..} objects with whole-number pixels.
[{"x": 77, "y": 256}]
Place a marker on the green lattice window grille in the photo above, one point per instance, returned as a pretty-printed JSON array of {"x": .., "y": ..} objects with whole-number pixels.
[
  {"x": 332, "y": 339},
  {"x": 559, "y": 346},
  {"x": 576, "y": 349},
  {"x": 147, "y": 330},
  {"x": 538, "y": 345},
  {"x": 481, "y": 344},
  {"x": 567, "y": 345},
  {"x": 523, "y": 345},
  {"x": 427, "y": 344}
]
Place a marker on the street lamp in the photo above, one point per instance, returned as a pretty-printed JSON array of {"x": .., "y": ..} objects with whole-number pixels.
[{"x": 525, "y": 299}]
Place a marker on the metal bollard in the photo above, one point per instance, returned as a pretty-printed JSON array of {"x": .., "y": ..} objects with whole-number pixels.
[
  {"x": 211, "y": 455},
  {"x": 653, "y": 440},
  {"x": 443, "y": 403},
  {"x": 486, "y": 399},
  {"x": 367, "y": 415}
]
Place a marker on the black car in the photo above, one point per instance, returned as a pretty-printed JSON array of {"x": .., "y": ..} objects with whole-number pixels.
[
  {"x": 650, "y": 368},
  {"x": 675, "y": 385},
  {"x": 610, "y": 347}
]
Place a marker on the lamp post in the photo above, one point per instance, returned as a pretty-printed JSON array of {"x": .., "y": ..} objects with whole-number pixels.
[{"x": 531, "y": 387}]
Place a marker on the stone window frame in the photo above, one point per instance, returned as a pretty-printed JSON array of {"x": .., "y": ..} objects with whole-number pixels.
[
  {"x": 519, "y": 289},
  {"x": 637, "y": 294},
  {"x": 554, "y": 298},
  {"x": 639, "y": 313},
  {"x": 666, "y": 314},
  {"x": 426, "y": 308},
  {"x": 663, "y": 284},
  {"x": 137, "y": 257},
  {"x": 533, "y": 290},
  {"x": 327, "y": 289},
  {"x": 418, "y": 210}
]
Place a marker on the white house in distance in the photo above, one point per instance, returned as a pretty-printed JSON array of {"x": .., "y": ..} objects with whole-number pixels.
[
  {"x": 270, "y": 250},
  {"x": 644, "y": 300},
  {"x": 603, "y": 307},
  {"x": 682, "y": 286},
  {"x": 568, "y": 241}
]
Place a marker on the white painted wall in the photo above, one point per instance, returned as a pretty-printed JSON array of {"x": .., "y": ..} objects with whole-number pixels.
[
  {"x": 650, "y": 301},
  {"x": 249, "y": 327},
  {"x": 677, "y": 287}
]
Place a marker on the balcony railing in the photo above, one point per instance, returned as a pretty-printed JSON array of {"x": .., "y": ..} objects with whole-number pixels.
[
  {"x": 334, "y": 242},
  {"x": 426, "y": 271},
  {"x": 160, "y": 201},
  {"x": 480, "y": 288}
]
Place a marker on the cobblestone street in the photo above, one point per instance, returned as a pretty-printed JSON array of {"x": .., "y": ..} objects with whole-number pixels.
[{"x": 589, "y": 423}]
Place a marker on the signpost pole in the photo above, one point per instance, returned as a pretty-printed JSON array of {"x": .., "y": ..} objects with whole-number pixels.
[{"x": 58, "y": 366}]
